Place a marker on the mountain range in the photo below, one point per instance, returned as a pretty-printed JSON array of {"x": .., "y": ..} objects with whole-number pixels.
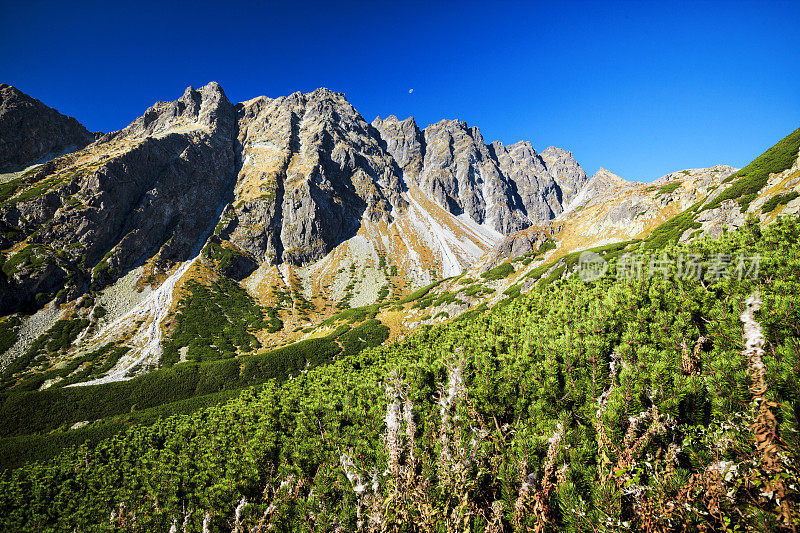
[
  {"x": 303, "y": 205},
  {"x": 274, "y": 315}
]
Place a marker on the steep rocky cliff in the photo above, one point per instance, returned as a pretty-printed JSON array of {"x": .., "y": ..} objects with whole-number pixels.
[
  {"x": 283, "y": 181},
  {"x": 31, "y": 131},
  {"x": 503, "y": 188},
  {"x": 148, "y": 191},
  {"x": 311, "y": 170}
]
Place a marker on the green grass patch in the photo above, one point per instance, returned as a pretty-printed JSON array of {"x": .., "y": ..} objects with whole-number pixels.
[
  {"x": 669, "y": 188},
  {"x": 513, "y": 290},
  {"x": 477, "y": 290},
  {"x": 32, "y": 255},
  {"x": 18, "y": 450},
  {"x": 672, "y": 229},
  {"x": 754, "y": 176},
  {"x": 419, "y": 293},
  {"x": 222, "y": 256},
  {"x": 546, "y": 246},
  {"x": 354, "y": 314}
]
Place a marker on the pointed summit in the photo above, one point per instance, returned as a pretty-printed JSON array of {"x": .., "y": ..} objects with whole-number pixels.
[
  {"x": 205, "y": 109},
  {"x": 31, "y": 131},
  {"x": 607, "y": 177}
]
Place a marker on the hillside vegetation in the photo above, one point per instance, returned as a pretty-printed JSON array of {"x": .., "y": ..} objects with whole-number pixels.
[
  {"x": 748, "y": 181},
  {"x": 653, "y": 403}
]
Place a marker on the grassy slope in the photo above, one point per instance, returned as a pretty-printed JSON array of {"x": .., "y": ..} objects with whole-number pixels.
[
  {"x": 752, "y": 178},
  {"x": 530, "y": 367}
]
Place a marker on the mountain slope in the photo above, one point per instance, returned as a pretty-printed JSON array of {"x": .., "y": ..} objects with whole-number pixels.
[
  {"x": 309, "y": 216},
  {"x": 148, "y": 191},
  {"x": 299, "y": 195},
  {"x": 617, "y": 404},
  {"x": 31, "y": 131},
  {"x": 539, "y": 373}
]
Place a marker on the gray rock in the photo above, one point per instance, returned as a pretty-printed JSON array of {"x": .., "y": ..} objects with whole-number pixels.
[
  {"x": 157, "y": 194},
  {"x": 311, "y": 170},
  {"x": 533, "y": 182},
  {"x": 405, "y": 142},
  {"x": 31, "y": 131},
  {"x": 284, "y": 180},
  {"x": 566, "y": 172},
  {"x": 505, "y": 188}
]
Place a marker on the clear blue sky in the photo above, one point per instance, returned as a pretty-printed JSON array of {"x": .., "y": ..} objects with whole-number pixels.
[{"x": 641, "y": 88}]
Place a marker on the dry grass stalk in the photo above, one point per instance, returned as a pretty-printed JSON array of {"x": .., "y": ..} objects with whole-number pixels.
[{"x": 765, "y": 426}]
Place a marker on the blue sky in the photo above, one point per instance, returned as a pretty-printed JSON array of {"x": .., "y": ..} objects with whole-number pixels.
[{"x": 641, "y": 88}]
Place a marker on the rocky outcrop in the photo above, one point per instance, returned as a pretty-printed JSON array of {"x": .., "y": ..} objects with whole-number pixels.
[
  {"x": 533, "y": 182},
  {"x": 311, "y": 170},
  {"x": 155, "y": 189},
  {"x": 506, "y": 188},
  {"x": 405, "y": 142},
  {"x": 566, "y": 172},
  {"x": 30, "y": 131},
  {"x": 521, "y": 243},
  {"x": 460, "y": 174},
  {"x": 603, "y": 183}
]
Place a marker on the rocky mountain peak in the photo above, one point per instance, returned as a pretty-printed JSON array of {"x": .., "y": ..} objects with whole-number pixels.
[
  {"x": 405, "y": 142},
  {"x": 312, "y": 169},
  {"x": 206, "y": 109},
  {"x": 31, "y": 131},
  {"x": 604, "y": 175},
  {"x": 282, "y": 180},
  {"x": 566, "y": 171}
]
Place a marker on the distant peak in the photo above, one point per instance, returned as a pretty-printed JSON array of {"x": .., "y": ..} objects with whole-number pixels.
[
  {"x": 603, "y": 174},
  {"x": 556, "y": 151},
  {"x": 324, "y": 92}
]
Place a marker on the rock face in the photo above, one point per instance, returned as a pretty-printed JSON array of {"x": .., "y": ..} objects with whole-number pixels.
[
  {"x": 405, "y": 142},
  {"x": 284, "y": 180},
  {"x": 533, "y": 183},
  {"x": 30, "y": 131},
  {"x": 521, "y": 243},
  {"x": 569, "y": 176},
  {"x": 311, "y": 170},
  {"x": 152, "y": 189},
  {"x": 504, "y": 188}
]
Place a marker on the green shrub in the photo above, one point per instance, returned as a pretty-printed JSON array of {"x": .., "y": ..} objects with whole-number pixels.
[
  {"x": 669, "y": 188},
  {"x": 221, "y": 255},
  {"x": 546, "y": 246},
  {"x": 32, "y": 255},
  {"x": 8, "y": 332},
  {"x": 779, "y": 199},
  {"x": 217, "y": 322},
  {"x": 8, "y": 189},
  {"x": 368, "y": 334},
  {"x": 499, "y": 272},
  {"x": 419, "y": 293},
  {"x": 752, "y": 178}
]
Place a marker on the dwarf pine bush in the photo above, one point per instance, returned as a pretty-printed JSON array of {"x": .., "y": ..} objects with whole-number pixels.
[{"x": 656, "y": 403}]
